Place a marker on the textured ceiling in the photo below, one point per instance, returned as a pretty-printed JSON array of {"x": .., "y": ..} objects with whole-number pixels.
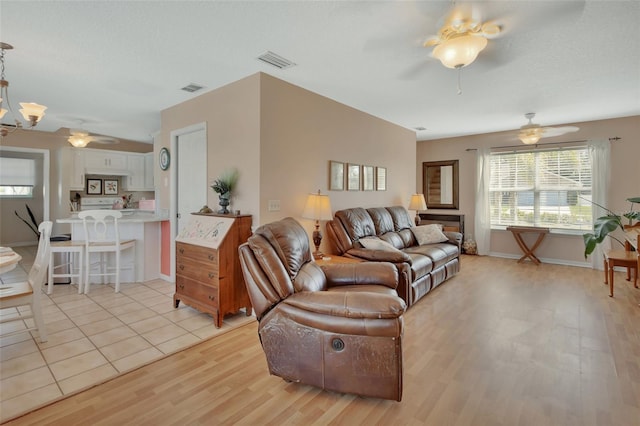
[{"x": 112, "y": 66}]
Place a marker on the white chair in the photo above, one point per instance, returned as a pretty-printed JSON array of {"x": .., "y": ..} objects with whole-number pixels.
[
  {"x": 75, "y": 262},
  {"x": 28, "y": 293},
  {"x": 102, "y": 236}
]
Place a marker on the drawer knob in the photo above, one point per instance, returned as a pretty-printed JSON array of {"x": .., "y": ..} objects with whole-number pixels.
[
  {"x": 181, "y": 251},
  {"x": 181, "y": 286},
  {"x": 211, "y": 275},
  {"x": 181, "y": 267},
  {"x": 212, "y": 298},
  {"x": 210, "y": 257}
]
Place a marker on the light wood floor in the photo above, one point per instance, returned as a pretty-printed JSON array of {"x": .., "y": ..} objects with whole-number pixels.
[{"x": 500, "y": 344}]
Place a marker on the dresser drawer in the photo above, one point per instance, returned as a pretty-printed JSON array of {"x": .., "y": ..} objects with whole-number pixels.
[
  {"x": 205, "y": 294},
  {"x": 203, "y": 254},
  {"x": 203, "y": 272}
]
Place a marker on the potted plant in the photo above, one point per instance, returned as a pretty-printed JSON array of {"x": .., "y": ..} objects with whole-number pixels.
[
  {"x": 604, "y": 225},
  {"x": 224, "y": 186}
]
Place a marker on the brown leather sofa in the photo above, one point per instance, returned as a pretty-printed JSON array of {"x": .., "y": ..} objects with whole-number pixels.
[
  {"x": 338, "y": 327},
  {"x": 421, "y": 267}
]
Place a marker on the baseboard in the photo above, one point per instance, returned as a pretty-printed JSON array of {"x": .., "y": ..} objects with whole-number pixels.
[{"x": 166, "y": 278}]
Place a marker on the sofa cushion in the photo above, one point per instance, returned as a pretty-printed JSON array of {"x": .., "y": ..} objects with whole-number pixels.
[
  {"x": 421, "y": 265},
  {"x": 377, "y": 244},
  {"x": 357, "y": 223},
  {"x": 381, "y": 220},
  {"x": 439, "y": 253},
  {"x": 429, "y": 234}
]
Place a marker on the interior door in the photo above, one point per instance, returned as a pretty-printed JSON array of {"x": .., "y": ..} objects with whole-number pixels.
[{"x": 192, "y": 182}]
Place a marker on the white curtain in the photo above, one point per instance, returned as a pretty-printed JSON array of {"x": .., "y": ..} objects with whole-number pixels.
[
  {"x": 600, "y": 153},
  {"x": 483, "y": 212}
]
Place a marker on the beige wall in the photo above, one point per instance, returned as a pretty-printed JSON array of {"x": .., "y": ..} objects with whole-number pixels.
[
  {"x": 281, "y": 138},
  {"x": 625, "y": 180}
]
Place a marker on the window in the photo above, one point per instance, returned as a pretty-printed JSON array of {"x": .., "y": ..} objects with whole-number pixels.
[
  {"x": 17, "y": 177},
  {"x": 546, "y": 188}
]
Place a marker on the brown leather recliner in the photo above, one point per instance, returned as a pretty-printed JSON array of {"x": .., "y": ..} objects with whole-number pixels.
[{"x": 338, "y": 327}]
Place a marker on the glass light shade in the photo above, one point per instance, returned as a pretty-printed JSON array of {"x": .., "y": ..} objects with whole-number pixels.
[
  {"x": 530, "y": 136},
  {"x": 417, "y": 202},
  {"x": 317, "y": 207},
  {"x": 30, "y": 109},
  {"x": 78, "y": 141},
  {"x": 2, "y": 112},
  {"x": 459, "y": 51}
]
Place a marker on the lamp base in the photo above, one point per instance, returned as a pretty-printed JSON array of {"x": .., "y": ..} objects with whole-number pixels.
[
  {"x": 417, "y": 219},
  {"x": 318, "y": 255}
]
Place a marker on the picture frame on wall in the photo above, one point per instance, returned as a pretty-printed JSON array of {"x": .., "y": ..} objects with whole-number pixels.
[
  {"x": 381, "y": 178},
  {"x": 353, "y": 177},
  {"x": 336, "y": 176},
  {"x": 368, "y": 178},
  {"x": 94, "y": 186},
  {"x": 111, "y": 187}
]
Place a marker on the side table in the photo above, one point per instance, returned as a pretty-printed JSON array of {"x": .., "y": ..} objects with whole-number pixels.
[
  {"x": 333, "y": 259},
  {"x": 517, "y": 232}
]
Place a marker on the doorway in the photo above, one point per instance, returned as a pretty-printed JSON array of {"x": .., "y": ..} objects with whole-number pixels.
[{"x": 188, "y": 177}]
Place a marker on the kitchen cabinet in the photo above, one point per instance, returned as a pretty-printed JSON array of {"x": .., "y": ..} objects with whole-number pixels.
[
  {"x": 75, "y": 166},
  {"x": 104, "y": 162},
  {"x": 208, "y": 272},
  {"x": 148, "y": 172},
  {"x": 135, "y": 181}
]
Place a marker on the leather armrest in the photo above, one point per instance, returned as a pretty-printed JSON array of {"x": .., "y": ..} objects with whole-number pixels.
[
  {"x": 454, "y": 237},
  {"x": 379, "y": 255},
  {"x": 348, "y": 304},
  {"x": 376, "y": 273}
]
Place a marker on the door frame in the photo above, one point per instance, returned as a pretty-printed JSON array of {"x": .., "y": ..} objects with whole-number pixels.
[{"x": 173, "y": 193}]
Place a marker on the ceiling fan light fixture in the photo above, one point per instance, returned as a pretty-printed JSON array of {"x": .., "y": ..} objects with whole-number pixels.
[
  {"x": 530, "y": 137},
  {"x": 79, "y": 141},
  {"x": 460, "y": 51}
]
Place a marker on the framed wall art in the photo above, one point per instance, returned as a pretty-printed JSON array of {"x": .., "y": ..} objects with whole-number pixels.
[
  {"x": 368, "y": 178},
  {"x": 94, "y": 186},
  {"x": 110, "y": 187},
  {"x": 381, "y": 178},
  {"x": 353, "y": 177},
  {"x": 336, "y": 176}
]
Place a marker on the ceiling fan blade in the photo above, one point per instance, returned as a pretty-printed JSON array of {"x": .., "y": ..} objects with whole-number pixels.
[
  {"x": 105, "y": 140},
  {"x": 557, "y": 131}
]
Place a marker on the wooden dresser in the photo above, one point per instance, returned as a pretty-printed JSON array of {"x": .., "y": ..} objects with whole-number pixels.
[{"x": 208, "y": 273}]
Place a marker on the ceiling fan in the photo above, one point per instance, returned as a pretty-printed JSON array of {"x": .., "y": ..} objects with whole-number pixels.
[
  {"x": 80, "y": 138},
  {"x": 531, "y": 132}
]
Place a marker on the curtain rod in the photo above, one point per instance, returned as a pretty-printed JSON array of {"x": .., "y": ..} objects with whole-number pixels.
[{"x": 615, "y": 138}]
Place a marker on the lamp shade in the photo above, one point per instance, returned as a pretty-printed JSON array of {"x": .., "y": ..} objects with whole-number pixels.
[
  {"x": 29, "y": 109},
  {"x": 317, "y": 207},
  {"x": 79, "y": 141},
  {"x": 460, "y": 51},
  {"x": 530, "y": 136},
  {"x": 417, "y": 202}
]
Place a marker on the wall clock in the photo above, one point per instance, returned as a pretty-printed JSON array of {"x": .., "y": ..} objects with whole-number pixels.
[{"x": 165, "y": 159}]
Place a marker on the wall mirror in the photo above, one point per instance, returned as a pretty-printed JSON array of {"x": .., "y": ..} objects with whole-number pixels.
[{"x": 440, "y": 184}]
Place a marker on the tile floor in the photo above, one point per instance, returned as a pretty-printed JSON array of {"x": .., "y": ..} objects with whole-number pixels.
[{"x": 93, "y": 337}]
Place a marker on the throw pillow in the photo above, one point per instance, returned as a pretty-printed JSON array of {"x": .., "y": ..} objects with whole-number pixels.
[
  {"x": 377, "y": 244},
  {"x": 429, "y": 234}
]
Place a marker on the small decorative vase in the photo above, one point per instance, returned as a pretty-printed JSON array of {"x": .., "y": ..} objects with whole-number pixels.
[
  {"x": 224, "y": 203},
  {"x": 469, "y": 246}
]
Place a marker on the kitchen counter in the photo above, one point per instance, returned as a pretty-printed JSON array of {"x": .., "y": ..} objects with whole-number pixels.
[{"x": 128, "y": 216}]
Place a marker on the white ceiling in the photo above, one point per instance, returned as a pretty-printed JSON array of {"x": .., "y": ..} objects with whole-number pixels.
[{"x": 114, "y": 65}]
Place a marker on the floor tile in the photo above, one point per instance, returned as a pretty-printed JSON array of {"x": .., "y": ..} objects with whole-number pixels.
[
  {"x": 178, "y": 343},
  {"x": 98, "y": 327},
  {"x": 13, "y": 406},
  {"x": 136, "y": 360},
  {"x": 112, "y": 336},
  {"x": 21, "y": 364},
  {"x": 18, "y": 349},
  {"x": 136, "y": 316},
  {"x": 67, "y": 350},
  {"x": 77, "y": 364},
  {"x": 87, "y": 378},
  {"x": 124, "y": 348},
  {"x": 163, "y": 334},
  {"x": 61, "y": 337},
  {"x": 25, "y": 382},
  {"x": 150, "y": 324},
  {"x": 92, "y": 317},
  {"x": 132, "y": 306}
]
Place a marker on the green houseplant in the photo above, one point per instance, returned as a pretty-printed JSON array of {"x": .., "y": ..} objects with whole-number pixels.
[
  {"x": 604, "y": 225},
  {"x": 224, "y": 186}
]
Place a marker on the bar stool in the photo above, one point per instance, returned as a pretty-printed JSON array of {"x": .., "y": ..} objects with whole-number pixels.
[
  {"x": 74, "y": 249},
  {"x": 624, "y": 258}
]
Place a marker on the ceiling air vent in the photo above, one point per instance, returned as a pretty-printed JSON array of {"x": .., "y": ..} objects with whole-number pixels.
[
  {"x": 275, "y": 60},
  {"x": 420, "y": 128},
  {"x": 192, "y": 88}
]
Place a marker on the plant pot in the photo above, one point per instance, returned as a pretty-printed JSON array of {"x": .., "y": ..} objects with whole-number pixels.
[{"x": 224, "y": 203}]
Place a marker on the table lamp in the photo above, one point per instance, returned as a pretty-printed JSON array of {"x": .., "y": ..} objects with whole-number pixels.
[
  {"x": 318, "y": 207},
  {"x": 417, "y": 203}
]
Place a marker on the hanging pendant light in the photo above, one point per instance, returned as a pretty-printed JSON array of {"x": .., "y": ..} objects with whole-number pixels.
[{"x": 31, "y": 112}]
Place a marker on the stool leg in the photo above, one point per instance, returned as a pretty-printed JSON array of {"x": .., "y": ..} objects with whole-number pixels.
[
  {"x": 606, "y": 271},
  {"x": 50, "y": 274},
  {"x": 80, "y": 271}
]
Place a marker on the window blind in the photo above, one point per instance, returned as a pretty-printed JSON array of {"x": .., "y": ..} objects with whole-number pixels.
[
  {"x": 17, "y": 171},
  {"x": 546, "y": 188}
]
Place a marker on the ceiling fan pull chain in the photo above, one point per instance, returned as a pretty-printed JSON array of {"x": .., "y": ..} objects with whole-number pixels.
[{"x": 459, "y": 88}]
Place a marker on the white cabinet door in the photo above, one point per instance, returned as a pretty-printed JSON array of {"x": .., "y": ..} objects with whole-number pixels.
[
  {"x": 148, "y": 172},
  {"x": 104, "y": 161},
  {"x": 75, "y": 162},
  {"x": 136, "y": 179}
]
